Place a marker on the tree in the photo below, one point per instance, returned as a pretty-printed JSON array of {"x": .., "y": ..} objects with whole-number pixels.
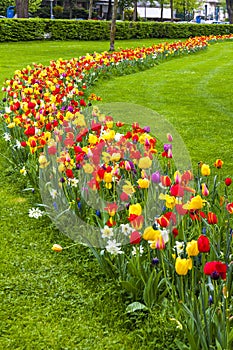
[
  {"x": 172, "y": 14},
  {"x": 113, "y": 26},
  {"x": 229, "y": 4},
  {"x": 161, "y": 3},
  {"x": 22, "y": 8},
  {"x": 185, "y": 7},
  {"x": 90, "y": 9},
  {"x": 109, "y": 13}
]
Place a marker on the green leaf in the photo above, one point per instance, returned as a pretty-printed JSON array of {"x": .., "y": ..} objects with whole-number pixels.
[
  {"x": 136, "y": 306},
  {"x": 181, "y": 345},
  {"x": 130, "y": 287},
  {"x": 230, "y": 337}
]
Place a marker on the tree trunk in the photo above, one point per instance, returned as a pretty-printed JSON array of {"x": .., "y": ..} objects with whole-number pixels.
[
  {"x": 135, "y": 11},
  {"x": 161, "y": 13},
  {"x": 22, "y": 8},
  {"x": 113, "y": 26},
  {"x": 109, "y": 13},
  {"x": 90, "y": 9},
  {"x": 171, "y": 6},
  {"x": 229, "y": 4}
]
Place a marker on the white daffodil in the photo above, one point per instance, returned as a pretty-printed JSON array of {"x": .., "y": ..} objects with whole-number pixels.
[
  {"x": 7, "y": 136},
  {"x": 113, "y": 247},
  {"x": 107, "y": 232},
  {"x": 35, "y": 213},
  {"x": 126, "y": 229}
]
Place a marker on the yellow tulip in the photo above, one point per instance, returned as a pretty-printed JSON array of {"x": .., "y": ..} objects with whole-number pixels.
[
  {"x": 128, "y": 188},
  {"x": 57, "y": 248},
  {"x": 151, "y": 235},
  {"x": 88, "y": 168},
  {"x": 183, "y": 265},
  {"x": 144, "y": 163},
  {"x": 92, "y": 139},
  {"x": 205, "y": 170},
  {"x": 143, "y": 183},
  {"x": 107, "y": 177},
  {"x": 196, "y": 203},
  {"x": 135, "y": 209},
  {"x": 192, "y": 248}
]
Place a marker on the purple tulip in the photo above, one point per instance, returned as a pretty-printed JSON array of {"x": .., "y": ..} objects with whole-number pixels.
[
  {"x": 155, "y": 177},
  {"x": 167, "y": 146},
  {"x": 146, "y": 128}
]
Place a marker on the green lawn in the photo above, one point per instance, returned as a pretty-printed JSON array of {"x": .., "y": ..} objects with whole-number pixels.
[
  {"x": 193, "y": 93},
  {"x": 19, "y": 55},
  {"x": 62, "y": 301}
]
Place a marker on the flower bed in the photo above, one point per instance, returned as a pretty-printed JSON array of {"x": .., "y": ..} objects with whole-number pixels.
[{"x": 164, "y": 234}]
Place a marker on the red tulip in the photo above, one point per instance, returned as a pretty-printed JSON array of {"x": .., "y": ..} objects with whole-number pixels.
[
  {"x": 203, "y": 244},
  {"x": 166, "y": 181},
  {"x": 135, "y": 237},
  {"x": 212, "y": 218},
  {"x": 69, "y": 173},
  {"x": 175, "y": 232},
  {"x": 215, "y": 269},
  {"x": 228, "y": 181}
]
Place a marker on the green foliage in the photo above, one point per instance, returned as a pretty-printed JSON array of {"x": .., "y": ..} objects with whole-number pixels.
[
  {"x": 58, "y": 11},
  {"x": 4, "y": 5},
  {"x": 33, "y": 5},
  {"x": 37, "y": 29},
  {"x": 22, "y": 29}
]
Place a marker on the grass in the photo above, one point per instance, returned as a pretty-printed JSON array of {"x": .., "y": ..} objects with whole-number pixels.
[
  {"x": 192, "y": 93},
  {"x": 58, "y": 301},
  {"x": 18, "y": 55},
  {"x": 62, "y": 301}
]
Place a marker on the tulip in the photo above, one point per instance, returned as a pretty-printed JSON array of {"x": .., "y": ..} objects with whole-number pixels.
[
  {"x": 215, "y": 269},
  {"x": 192, "y": 248},
  {"x": 228, "y": 181},
  {"x": 196, "y": 203},
  {"x": 135, "y": 237},
  {"x": 204, "y": 190},
  {"x": 203, "y": 244},
  {"x": 143, "y": 183},
  {"x": 212, "y": 218},
  {"x": 218, "y": 164},
  {"x": 57, "y": 248},
  {"x": 144, "y": 163},
  {"x": 155, "y": 177},
  {"x": 163, "y": 221},
  {"x": 136, "y": 221},
  {"x": 135, "y": 209},
  {"x": 175, "y": 232},
  {"x": 229, "y": 208},
  {"x": 111, "y": 208},
  {"x": 166, "y": 181},
  {"x": 177, "y": 190},
  {"x": 205, "y": 170},
  {"x": 150, "y": 234},
  {"x": 183, "y": 265}
]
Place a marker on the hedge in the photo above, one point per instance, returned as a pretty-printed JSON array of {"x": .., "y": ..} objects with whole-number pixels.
[{"x": 46, "y": 29}]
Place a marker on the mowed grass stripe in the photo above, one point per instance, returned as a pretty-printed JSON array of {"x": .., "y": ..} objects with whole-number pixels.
[{"x": 187, "y": 93}]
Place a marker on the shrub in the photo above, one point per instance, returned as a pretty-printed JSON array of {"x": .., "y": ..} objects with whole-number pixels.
[{"x": 64, "y": 29}]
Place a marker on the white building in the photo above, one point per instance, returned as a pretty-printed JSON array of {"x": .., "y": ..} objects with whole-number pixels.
[
  {"x": 210, "y": 10},
  {"x": 151, "y": 13}
]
